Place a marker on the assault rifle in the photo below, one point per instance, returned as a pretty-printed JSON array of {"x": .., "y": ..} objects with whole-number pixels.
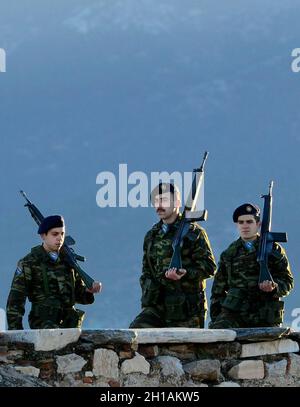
[
  {"x": 189, "y": 215},
  {"x": 267, "y": 238},
  {"x": 70, "y": 256}
]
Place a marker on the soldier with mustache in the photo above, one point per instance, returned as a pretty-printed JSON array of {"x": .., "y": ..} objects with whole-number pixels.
[{"x": 171, "y": 297}]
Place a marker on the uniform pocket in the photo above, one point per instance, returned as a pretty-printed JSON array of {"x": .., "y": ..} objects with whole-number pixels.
[
  {"x": 235, "y": 300},
  {"x": 272, "y": 312},
  {"x": 150, "y": 294},
  {"x": 194, "y": 303},
  {"x": 175, "y": 307}
]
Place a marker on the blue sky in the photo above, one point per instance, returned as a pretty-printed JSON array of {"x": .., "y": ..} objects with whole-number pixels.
[{"x": 92, "y": 84}]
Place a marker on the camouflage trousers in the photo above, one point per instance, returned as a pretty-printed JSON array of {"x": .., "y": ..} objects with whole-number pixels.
[
  {"x": 152, "y": 317},
  {"x": 46, "y": 317},
  {"x": 229, "y": 319}
]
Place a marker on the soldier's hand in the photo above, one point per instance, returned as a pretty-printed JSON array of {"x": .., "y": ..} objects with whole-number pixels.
[
  {"x": 96, "y": 288},
  {"x": 268, "y": 286},
  {"x": 174, "y": 274}
]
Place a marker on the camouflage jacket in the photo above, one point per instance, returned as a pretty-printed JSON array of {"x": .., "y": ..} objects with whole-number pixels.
[
  {"x": 43, "y": 281},
  {"x": 238, "y": 273},
  {"x": 197, "y": 259}
]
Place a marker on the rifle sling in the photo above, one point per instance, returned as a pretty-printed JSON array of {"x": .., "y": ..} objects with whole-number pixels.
[{"x": 148, "y": 257}]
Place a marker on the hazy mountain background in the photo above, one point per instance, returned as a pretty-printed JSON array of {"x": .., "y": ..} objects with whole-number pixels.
[{"x": 151, "y": 83}]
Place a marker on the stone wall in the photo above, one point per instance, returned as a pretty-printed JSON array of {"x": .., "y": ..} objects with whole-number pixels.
[{"x": 177, "y": 357}]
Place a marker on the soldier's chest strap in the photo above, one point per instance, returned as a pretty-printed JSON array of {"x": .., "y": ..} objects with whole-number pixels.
[{"x": 148, "y": 256}]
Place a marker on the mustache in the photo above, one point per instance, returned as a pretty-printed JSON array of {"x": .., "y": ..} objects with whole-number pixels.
[{"x": 160, "y": 210}]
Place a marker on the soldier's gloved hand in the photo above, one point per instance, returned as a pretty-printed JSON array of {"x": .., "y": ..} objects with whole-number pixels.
[
  {"x": 97, "y": 287},
  {"x": 268, "y": 286},
  {"x": 174, "y": 274}
]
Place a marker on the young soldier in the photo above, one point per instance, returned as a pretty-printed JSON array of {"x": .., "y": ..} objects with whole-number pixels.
[
  {"x": 237, "y": 300},
  {"x": 173, "y": 297},
  {"x": 49, "y": 283}
]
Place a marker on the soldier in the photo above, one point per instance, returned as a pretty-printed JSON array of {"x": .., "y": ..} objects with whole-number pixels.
[
  {"x": 237, "y": 300},
  {"x": 173, "y": 297},
  {"x": 49, "y": 283}
]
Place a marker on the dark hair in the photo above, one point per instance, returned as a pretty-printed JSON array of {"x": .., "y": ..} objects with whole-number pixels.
[{"x": 162, "y": 188}]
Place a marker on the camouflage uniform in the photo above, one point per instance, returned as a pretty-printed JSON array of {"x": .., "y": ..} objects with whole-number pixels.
[
  {"x": 236, "y": 300},
  {"x": 165, "y": 302},
  {"x": 51, "y": 287}
]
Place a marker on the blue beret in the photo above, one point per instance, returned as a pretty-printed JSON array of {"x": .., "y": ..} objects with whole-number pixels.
[
  {"x": 50, "y": 222},
  {"x": 246, "y": 209}
]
